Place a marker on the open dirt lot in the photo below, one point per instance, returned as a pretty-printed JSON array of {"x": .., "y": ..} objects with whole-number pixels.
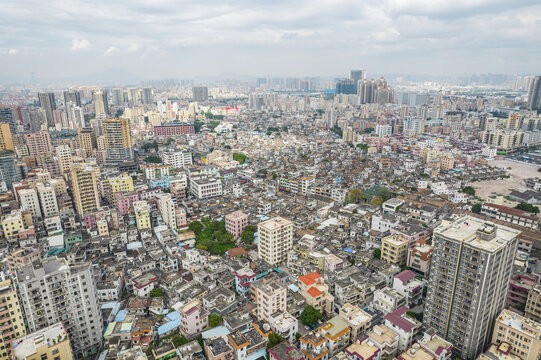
[{"x": 518, "y": 172}]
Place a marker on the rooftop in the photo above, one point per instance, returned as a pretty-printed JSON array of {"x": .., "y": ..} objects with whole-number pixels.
[
  {"x": 27, "y": 346},
  {"x": 468, "y": 228}
]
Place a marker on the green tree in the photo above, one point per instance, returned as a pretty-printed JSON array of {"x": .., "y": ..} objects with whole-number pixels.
[
  {"x": 241, "y": 158},
  {"x": 468, "y": 190},
  {"x": 274, "y": 339},
  {"x": 310, "y": 315},
  {"x": 156, "y": 292},
  {"x": 274, "y": 176},
  {"x": 179, "y": 340},
  {"x": 214, "y": 320},
  {"x": 527, "y": 207},
  {"x": 354, "y": 196},
  {"x": 377, "y": 253},
  {"x": 247, "y": 237},
  {"x": 298, "y": 335},
  {"x": 153, "y": 159},
  {"x": 170, "y": 141},
  {"x": 369, "y": 130},
  {"x": 363, "y": 147},
  {"x": 476, "y": 208},
  {"x": 196, "y": 227}
]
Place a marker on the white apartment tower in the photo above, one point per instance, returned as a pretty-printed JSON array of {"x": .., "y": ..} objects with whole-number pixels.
[
  {"x": 29, "y": 201},
  {"x": 275, "y": 240},
  {"x": 47, "y": 200},
  {"x": 52, "y": 291},
  {"x": 167, "y": 210}
]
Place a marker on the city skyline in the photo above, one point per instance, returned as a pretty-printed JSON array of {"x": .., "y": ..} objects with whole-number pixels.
[{"x": 165, "y": 39}]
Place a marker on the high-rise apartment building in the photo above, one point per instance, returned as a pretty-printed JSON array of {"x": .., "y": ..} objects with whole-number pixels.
[
  {"x": 47, "y": 200},
  {"x": 86, "y": 139},
  {"x": 118, "y": 140},
  {"x": 146, "y": 96},
  {"x": 6, "y": 141},
  {"x": 63, "y": 155},
  {"x": 118, "y": 97},
  {"x": 54, "y": 291},
  {"x": 346, "y": 86},
  {"x": 101, "y": 105},
  {"x": 534, "y": 94},
  {"x": 84, "y": 188},
  {"x": 8, "y": 170},
  {"x": 275, "y": 240},
  {"x": 11, "y": 318},
  {"x": 7, "y": 116},
  {"x": 357, "y": 75},
  {"x": 200, "y": 93},
  {"x": 38, "y": 143},
  {"x": 166, "y": 205},
  {"x": 28, "y": 198},
  {"x": 47, "y": 103},
  {"x": 469, "y": 277},
  {"x": 73, "y": 97}
]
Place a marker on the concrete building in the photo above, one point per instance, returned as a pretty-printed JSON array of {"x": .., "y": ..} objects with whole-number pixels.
[
  {"x": 21, "y": 257},
  {"x": 118, "y": 140},
  {"x": 64, "y": 158},
  {"x": 533, "y": 304},
  {"x": 469, "y": 250},
  {"x": 142, "y": 215},
  {"x": 200, "y": 93},
  {"x": 315, "y": 292},
  {"x": 8, "y": 170},
  {"x": 177, "y": 158},
  {"x": 235, "y": 223},
  {"x": 28, "y": 198},
  {"x": 193, "y": 317},
  {"x": 166, "y": 205},
  {"x": 523, "y": 334},
  {"x": 51, "y": 342},
  {"x": 101, "y": 104},
  {"x": 269, "y": 297},
  {"x": 275, "y": 240},
  {"x": 47, "y": 200},
  {"x": 204, "y": 187},
  {"x": 86, "y": 139},
  {"x": 217, "y": 348},
  {"x": 6, "y": 141},
  {"x": 11, "y": 318},
  {"x": 358, "y": 320},
  {"x": 84, "y": 189},
  {"x": 38, "y": 143},
  {"x": 53, "y": 291},
  {"x": 394, "y": 250}
]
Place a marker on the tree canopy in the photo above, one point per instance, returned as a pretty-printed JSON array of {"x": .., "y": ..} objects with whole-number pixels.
[
  {"x": 527, "y": 207},
  {"x": 156, "y": 292},
  {"x": 468, "y": 190},
  {"x": 310, "y": 315},
  {"x": 214, "y": 320}
]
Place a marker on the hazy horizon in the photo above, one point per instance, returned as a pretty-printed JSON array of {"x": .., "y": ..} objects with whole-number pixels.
[{"x": 168, "y": 39}]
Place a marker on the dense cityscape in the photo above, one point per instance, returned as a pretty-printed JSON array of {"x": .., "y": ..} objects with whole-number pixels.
[
  {"x": 270, "y": 180},
  {"x": 288, "y": 218}
]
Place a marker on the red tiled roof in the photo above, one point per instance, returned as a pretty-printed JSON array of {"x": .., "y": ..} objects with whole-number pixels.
[
  {"x": 405, "y": 276},
  {"x": 309, "y": 279},
  {"x": 314, "y": 292},
  {"x": 396, "y": 318},
  {"x": 238, "y": 251}
]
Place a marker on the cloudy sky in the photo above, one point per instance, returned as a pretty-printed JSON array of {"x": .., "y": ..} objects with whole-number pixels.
[{"x": 172, "y": 38}]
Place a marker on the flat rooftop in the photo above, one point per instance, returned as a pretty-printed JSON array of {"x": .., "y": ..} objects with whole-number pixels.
[
  {"x": 26, "y": 346},
  {"x": 466, "y": 229}
]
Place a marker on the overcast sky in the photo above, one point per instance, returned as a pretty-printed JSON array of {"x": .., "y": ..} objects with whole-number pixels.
[{"x": 171, "y": 38}]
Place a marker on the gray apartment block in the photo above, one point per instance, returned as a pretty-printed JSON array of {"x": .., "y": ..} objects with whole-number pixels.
[{"x": 469, "y": 276}]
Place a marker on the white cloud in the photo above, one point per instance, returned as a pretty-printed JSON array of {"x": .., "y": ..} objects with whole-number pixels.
[
  {"x": 80, "y": 44},
  {"x": 13, "y": 52},
  {"x": 111, "y": 51}
]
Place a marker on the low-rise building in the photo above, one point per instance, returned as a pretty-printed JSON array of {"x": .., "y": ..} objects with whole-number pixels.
[
  {"x": 51, "y": 342},
  {"x": 387, "y": 300},
  {"x": 193, "y": 317},
  {"x": 522, "y": 333},
  {"x": 406, "y": 284},
  {"x": 217, "y": 348},
  {"x": 358, "y": 320},
  {"x": 315, "y": 292}
]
